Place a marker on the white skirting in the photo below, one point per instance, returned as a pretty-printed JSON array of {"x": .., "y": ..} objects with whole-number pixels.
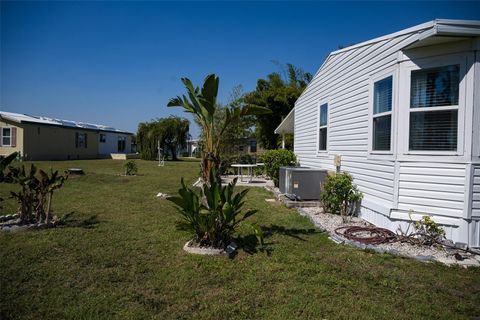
[{"x": 456, "y": 229}]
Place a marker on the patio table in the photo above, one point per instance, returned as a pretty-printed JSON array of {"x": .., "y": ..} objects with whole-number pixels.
[{"x": 240, "y": 168}]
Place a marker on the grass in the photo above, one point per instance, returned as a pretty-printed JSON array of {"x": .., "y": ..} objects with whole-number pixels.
[{"x": 121, "y": 257}]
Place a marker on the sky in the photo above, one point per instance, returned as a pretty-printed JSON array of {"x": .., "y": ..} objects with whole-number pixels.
[{"x": 118, "y": 63}]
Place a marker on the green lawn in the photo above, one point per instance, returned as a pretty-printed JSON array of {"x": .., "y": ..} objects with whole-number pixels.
[{"x": 121, "y": 257}]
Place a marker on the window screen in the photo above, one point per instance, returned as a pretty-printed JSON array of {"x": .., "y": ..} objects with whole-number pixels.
[
  {"x": 323, "y": 128},
  {"x": 432, "y": 129},
  {"x": 382, "y": 114},
  {"x": 435, "y": 87}
]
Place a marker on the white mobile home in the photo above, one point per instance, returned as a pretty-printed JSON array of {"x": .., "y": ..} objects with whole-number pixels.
[{"x": 403, "y": 112}]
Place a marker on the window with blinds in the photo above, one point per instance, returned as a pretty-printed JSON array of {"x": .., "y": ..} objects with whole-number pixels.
[
  {"x": 435, "y": 87},
  {"x": 323, "y": 128},
  {"x": 382, "y": 114},
  {"x": 434, "y": 109}
]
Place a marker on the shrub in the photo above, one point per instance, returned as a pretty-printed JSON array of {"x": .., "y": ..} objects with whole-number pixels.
[
  {"x": 131, "y": 168},
  {"x": 274, "y": 159},
  {"x": 428, "y": 231},
  {"x": 340, "y": 195},
  {"x": 213, "y": 220}
]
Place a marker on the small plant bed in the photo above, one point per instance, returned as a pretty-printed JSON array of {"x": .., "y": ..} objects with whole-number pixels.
[
  {"x": 399, "y": 245},
  {"x": 13, "y": 223},
  {"x": 195, "y": 248},
  {"x": 212, "y": 217},
  {"x": 33, "y": 191},
  {"x": 75, "y": 172}
]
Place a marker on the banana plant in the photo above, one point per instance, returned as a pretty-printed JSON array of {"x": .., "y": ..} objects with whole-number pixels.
[
  {"x": 4, "y": 163},
  {"x": 202, "y": 103},
  {"x": 47, "y": 184},
  {"x": 26, "y": 196}
]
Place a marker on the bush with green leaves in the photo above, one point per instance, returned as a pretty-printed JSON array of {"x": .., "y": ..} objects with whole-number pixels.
[
  {"x": 36, "y": 192},
  {"x": 214, "y": 215},
  {"x": 131, "y": 168},
  {"x": 340, "y": 195},
  {"x": 274, "y": 159}
]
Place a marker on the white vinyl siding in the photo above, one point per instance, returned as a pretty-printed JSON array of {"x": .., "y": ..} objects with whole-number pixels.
[
  {"x": 434, "y": 189},
  {"x": 345, "y": 79},
  {"x": 476, "y": 191},
  {"x": 390, "y": 182}
]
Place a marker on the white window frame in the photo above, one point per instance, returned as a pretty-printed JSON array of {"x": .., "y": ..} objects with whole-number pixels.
[
  {"x": 323, "y": 152},
  {"x": 382, "y": 154},
  {"x": 476, "y": 105},
  {"x": 9, "y": 136},
  {"x": 405, "y": 110}
]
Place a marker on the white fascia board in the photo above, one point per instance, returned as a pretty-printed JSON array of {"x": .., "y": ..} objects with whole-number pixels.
[
  {"x": 446, "y": 26},
  {"x": 458, "y": 22},
  {"x": 449, "y": 30},
  {"x": 416, "y": 28}
]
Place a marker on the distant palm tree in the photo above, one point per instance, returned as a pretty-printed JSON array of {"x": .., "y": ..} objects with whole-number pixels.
[{"x": 202, "y": 103}]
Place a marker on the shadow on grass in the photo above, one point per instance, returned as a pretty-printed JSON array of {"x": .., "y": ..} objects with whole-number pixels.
[
  {"x": 294, "y": 233},
  {"x": 69, "y": 221},
  {"x": 251, "y": 245}
]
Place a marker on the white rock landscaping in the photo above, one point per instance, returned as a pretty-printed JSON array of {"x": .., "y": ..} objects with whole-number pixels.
[
  {"x": 191, "y": 247},
  {"x": 329, "y": 222}
]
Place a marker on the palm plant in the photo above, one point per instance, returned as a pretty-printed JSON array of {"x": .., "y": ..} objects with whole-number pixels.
[{"x": 202, "y": 103}]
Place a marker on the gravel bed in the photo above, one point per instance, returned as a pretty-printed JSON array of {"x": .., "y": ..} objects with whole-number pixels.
[
  {"x": 329, "y": 222},
  {"x": 11, "y": 223}
]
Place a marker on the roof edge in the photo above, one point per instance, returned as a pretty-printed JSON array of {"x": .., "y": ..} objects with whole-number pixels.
[{"x": 287, "y": 118}]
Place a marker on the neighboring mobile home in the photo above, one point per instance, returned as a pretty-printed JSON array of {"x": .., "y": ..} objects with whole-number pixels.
[
  {"x": 42, "y": 138},
  {"x": 403, "y": 112}
]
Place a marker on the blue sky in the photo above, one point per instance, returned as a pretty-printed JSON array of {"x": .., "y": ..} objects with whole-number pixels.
[{"x": 118, "y": 63}]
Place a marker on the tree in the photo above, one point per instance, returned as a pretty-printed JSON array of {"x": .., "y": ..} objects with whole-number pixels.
[
  {"x": 172, "y": 132},
  {"x": 202, "y": 103},
  {"x": 278, "y": 95},
  {"x": 238, "y": 129}
]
